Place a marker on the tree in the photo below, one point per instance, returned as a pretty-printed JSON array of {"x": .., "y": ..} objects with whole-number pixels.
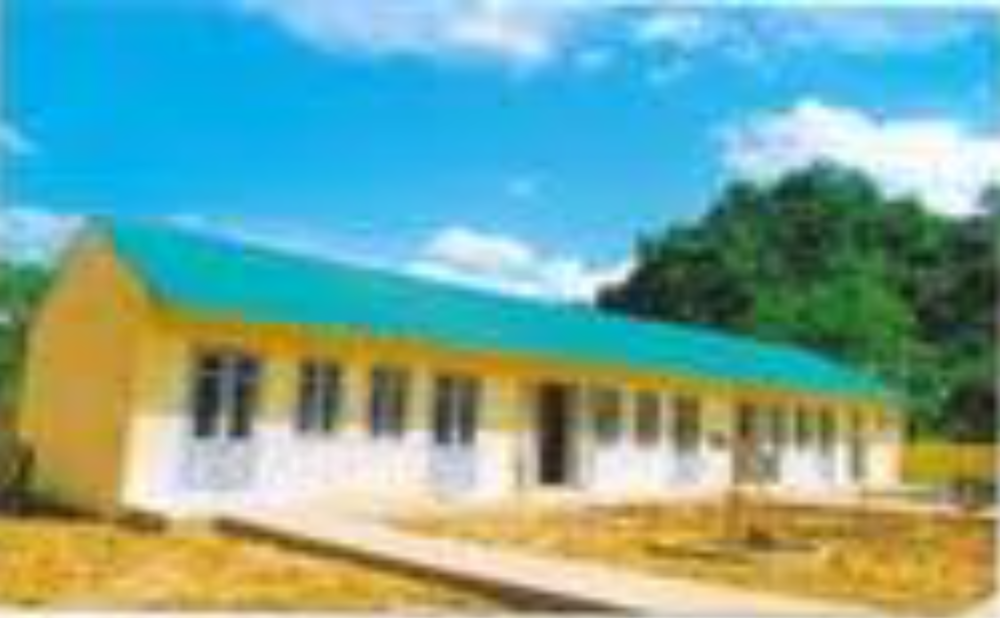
[
  {"x": 21, "y": 290},
  {"x": 822, "y": 258}
]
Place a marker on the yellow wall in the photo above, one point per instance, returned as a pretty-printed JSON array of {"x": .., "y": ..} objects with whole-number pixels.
[
  {"x": 81, "y": 364},
  {"x": 283, "y": 347},
  {"x": 942, "y": 463}
]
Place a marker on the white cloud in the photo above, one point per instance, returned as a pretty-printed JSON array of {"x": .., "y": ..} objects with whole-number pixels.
[
  {"x": 746, "y": 33},
  {"x": 13, "y": 141},
  {"x": 502, "y": 263},
  {"x": 29, "y": 234},
  {"x": 676, "y": 27},
  {"x": 755, "y": 35},
  {"x": 939, "y": 159},
  {"x": 861, "y": 30},
  {"x": 517, "y": 31},
  {"x": 531, "y": 33},
  {"x": 454, "y": 254}
]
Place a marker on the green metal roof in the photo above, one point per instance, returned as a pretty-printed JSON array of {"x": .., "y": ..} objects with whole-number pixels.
[{"x": 224, "y": 279}]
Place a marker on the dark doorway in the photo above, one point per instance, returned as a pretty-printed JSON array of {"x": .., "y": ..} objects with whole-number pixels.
[{"x": 554, "y": 434}]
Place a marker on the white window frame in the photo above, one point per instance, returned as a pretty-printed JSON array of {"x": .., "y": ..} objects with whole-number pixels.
[
  {"x": 319, "y": 405},
  {"x": 827, "y": 437},
  {"x": 858, "y": 443},
  {"x": 238, "y": 377},
  {"x": 456, "y": 409},
  {"x": 649, "y": 408},
  {"x": 606, "y": 406},
  {"x": 804, "y": 429},
  {"x": 688, "y": 431},
  {"x": 389, "y": 402}
]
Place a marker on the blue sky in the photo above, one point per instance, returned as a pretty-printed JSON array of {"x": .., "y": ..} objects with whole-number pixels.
[{"x": 512, "y": 144}]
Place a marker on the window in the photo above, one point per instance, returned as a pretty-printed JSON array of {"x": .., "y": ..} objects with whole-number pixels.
[
  {"x": 775, "y": 440},
  {"x": 885, "y": 428},
  {"x": 687, "y": 424},
  {"x": 746, "y": 415},
  {"x": 778, "y": 421},
  {"x": 827, "y": 431},
  {"x": 225, "y": 390},
  {"x": 746, "y": 458},
  {"x": 388, "y": 403},
  {"x": 606, "y": 410},
  {"x": 761, "y": 432},
  {"x": 649, "y": 419},
  {"x": 319, "y": 396},
  {"x": 804, "y": 418},
  {"x": 456, "y": 410},
  {"x": 859, "y": 446}
]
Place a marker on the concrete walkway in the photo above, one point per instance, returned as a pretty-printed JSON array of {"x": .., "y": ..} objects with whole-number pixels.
[{"x": 541, "y": 581}]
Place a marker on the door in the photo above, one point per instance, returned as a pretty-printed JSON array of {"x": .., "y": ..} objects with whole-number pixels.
[
  {"x": 555, "y": 449},
  {"x": 219, "y": 445},
  {"x": 455, "y": 428}
]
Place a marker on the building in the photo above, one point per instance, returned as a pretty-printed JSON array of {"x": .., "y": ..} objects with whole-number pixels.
[{"x": 177, "y": 372}]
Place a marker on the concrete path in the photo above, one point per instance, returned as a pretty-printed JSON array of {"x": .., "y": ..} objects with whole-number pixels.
[{"x": 548, "y": 582}]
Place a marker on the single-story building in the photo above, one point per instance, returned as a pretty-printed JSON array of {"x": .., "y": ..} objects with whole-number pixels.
[{"x": 174, "y": 371}]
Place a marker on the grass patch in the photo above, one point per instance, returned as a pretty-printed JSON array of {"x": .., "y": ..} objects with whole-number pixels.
[
  {"x": 912, "y": 563},
  {"x": 80, "y": 563}
]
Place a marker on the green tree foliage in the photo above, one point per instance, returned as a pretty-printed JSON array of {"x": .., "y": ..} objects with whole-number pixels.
[
  {"x": 21, "y": 289},
  {"x": 822, "y": 258}
]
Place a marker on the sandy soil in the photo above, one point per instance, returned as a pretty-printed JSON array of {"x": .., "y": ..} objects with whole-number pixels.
[
  {"x": 59, "y": 562},
  {"x": 901, "y": 562}
]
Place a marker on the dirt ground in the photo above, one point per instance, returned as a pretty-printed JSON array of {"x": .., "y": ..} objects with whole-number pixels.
[
  {"x": 912, "y": 563},
  {"x": 60, "y": 562}
]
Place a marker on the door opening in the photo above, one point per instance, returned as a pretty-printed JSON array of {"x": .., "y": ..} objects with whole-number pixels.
[{"x": 554, "y": 435}]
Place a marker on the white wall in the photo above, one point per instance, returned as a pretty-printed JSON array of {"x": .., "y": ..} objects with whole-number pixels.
[
  {"x": 279, "y": 466},
  {"x": 627, "y": 469},
  {"x": 284, "y": 466}
]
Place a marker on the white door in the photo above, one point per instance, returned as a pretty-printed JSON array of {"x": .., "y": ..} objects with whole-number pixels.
[{"x": 219, "y": 445}]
